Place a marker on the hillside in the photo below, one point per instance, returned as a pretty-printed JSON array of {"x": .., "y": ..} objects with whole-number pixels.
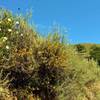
[
  {"x": 36, "y": 68},
  {"x": 89, "y": 45}
]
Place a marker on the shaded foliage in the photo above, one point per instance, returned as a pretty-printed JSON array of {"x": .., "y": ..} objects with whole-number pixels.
[
  {"x": 80, "y": 48},
  {"x": 95, "y": 53}
]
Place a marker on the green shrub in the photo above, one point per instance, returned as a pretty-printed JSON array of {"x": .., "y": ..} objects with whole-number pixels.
[
  {"x": 51, "y": 59},
  {"x": 81, "y": 76},
  {"x": 16, "y": 50},
  {"x": 95, "y": 53},
  {"x": 80, "y": 48}
]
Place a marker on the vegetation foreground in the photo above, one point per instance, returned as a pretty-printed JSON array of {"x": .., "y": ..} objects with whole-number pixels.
[{"x": 37, "y": 68}]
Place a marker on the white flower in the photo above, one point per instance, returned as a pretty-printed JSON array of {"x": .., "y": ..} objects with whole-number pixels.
[
  {"x": 54, "y": 87},
  {"x": 48, "y": 82},
  {"x": 17, "y": 25},
  {"x": 0, "y": 29},
  {"x": 17, "y": 22},
  {"x": 9, "y": 19},
  {"x": 4, "y": 39},
  {"x": 33, "y": 88},
  {"x": 9, "y": 30},
  {"x": 7, "y": 47},
  {"x": 21, "y": 34}
]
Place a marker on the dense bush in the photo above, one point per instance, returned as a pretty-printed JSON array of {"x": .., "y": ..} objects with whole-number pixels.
[
  {"x": 44, "y": 68},
  {"x": 95, "y": 53},
  {"x": 80, "y": 48},
  {"x": 82, "y": 76},
  {"x": 51, "y": 58},
  {"x": 16, "y": 50}
]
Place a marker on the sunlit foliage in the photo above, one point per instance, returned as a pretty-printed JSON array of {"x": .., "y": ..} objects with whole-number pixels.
[{"x": 43, "y": 68}]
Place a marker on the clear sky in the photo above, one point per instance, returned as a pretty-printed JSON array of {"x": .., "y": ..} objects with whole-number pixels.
[{"x": 81, "y": 18}]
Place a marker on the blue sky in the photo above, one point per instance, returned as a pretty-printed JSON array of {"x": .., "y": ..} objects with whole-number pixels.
[{"x": 81, "y": 18}]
